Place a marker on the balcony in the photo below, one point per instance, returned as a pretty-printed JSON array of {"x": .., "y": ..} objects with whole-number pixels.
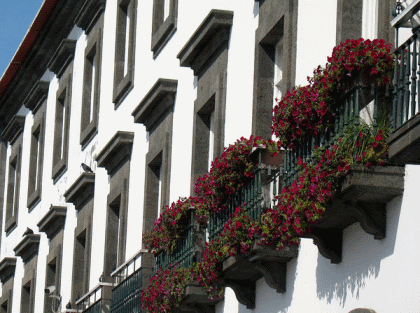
[
  {"x": 129, "y": 279},
  {"x": 404, "y": 143},
  {"x": 364, "y": 193},
  {"x": 241, "y": 272},
  {"x": 97, "y": 300}
]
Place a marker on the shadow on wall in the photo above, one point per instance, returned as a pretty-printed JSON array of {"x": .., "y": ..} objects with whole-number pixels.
[
  {"x": 362, "y": 256},
  {"x": 268, "y": 300}
]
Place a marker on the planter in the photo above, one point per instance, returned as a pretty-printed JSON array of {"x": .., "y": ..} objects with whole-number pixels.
[
  {"x": 363, "y": 196},
  {"x": 241, "y": 272},
  {"x": 196, "y": 300}
]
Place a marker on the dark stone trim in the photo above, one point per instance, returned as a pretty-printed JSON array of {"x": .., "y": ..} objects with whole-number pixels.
[
  {"x": 7, "y": 268},
  {"x": 89, "y": 127},
  {"x": 116, "y": 152},
  {"x": 81, "y": 191},
  {"x": 62, "y": 57},
  {"x": 277, "y": 21},
  {"x": 36, "y": 162},
  {"x": 157, "y": 103},
  {"x": 53, "y": 221},
  {"x": 89, "y": 14},
  {"x": 28, "y": 247},
  {"x": 3, "y": 160},
  {"x": 215, "y": 29},
  {"x": 349, "y": 20},
  {"x": 62, "y": 124},
  {"x": 13, "y": 129},
  {"x": 37, "y": 96},
  {"x": 124, "y": 83},
  {"x": 163, "y": 30},
  {"x": 385, "y": 30}
]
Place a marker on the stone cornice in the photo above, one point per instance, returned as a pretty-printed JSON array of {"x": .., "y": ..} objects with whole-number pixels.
[
  {"x": 62, "y": 57},
  {"x": 90, "y": 13},
  {"x": 116, "y": 152},
  {"x": 37, "y": 95},
  {"x": 7, "y": 268},
  {"x": 53, "y": 221},
  {"x": 14, "y": 128},
  {"x": 81, "y": 191},
  {"x": 207, "y": 39},
  {"x": 158, "y": 101},
  {"x": 28, "y": 247}
]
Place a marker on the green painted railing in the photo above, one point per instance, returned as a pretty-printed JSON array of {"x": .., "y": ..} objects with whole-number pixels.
[
  {"x": 95, "y": 300},
  {"x": 126, "y": 296},
  {"x": 406, "y": 102},
  {"x": 250, "y": 197},
  {"x": 95, "y": 308},
  {"x": 183, "y": 255},
  {"x": 348, "y": 111}
]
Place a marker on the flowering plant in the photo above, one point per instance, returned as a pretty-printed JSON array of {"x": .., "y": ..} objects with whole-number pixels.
[
  {"x": 170, "y": 224},
  {"x": 306, "y": 110},
  {"x": 229, "y": 172},
  {"x": 165, "y": 290}
]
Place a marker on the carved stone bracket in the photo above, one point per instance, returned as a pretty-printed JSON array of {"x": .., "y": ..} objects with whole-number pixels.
[
  {"x": 241, "y": 272},
  {"x": 363, "y": 198}
]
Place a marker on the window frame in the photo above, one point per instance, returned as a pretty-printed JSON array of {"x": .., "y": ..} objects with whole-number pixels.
[{"x": 163, "y": 29}]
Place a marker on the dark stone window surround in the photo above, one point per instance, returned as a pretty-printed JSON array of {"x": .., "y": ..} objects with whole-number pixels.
[
  {"x": 116, "y": 158},
  {"x": 61, "y": 64},
  {"x": 13, "y": 134},
  {"x": 93, "y": 50},
  {"x": 155, "y": 111},
  {"x": 277, "y": 21},
  {"x": 124, "y": 83},
  {"x": 53, "y": 225},
  {"x": 36, "y": 101},
  {"x": 81, "y": 195},
  {"x": 27, "y": 249},
  {"x": 7, "y": 273},
  {"x": 90, "y": 13},
  {"x": 206, "y": 53},
  {"x": 163, "y": 30},
  {"x": 3, "y": 160}
]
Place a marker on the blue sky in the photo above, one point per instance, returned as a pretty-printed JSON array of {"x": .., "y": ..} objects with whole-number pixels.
[{"x": 15, "y": 18}]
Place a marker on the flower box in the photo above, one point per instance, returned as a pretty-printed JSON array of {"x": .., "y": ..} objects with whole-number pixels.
[
  {"x": 196, "y": 298},
  {"x": 363, "y": 196},
  {"x": 241, "y": 272}
]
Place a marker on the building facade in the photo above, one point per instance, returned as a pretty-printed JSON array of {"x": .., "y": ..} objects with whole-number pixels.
[{"x": 111, "y": 109}]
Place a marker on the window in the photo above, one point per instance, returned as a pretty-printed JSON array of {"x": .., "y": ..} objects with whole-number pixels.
[
  {"x": 36, "y": 160},
  {"x": 155, "y": 111},
  {"x": 207, "y": 54},
  {"x": 27, "y": 297},
  {"x": 13, "y": 134},
  {"x": 165, "y": 14},
  {"x": 115, "y": 157},
  {"x": 91, "y": 85},
  {"x": 62, "y": 65},
  {"x": 275, "y": 59},
  {"x": 7, "y": 272},
  {"x": 124, "y": 49},
  {"x": 80, "y": 193}
]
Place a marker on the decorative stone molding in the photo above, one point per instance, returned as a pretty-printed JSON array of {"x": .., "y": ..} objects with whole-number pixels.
[
  {"x": 158, "y": 101},
  {"x": 207, "y": 40},
  {"x": 116, "y": 152},
  {"x": 37, "y": 96},
  {"x": 81, "y": 191},
  {"x": 196, "y": 300},
  {"x": 7, "y": 268},
  {"x": 90, "y": 13},
  {"x": 363, "y": 198},
  {"x": 13, "y": 129},
  {"x": 62, "y": 57},
  {"x": 53, "y": 221},
  {"x": 28, "y": 247}
]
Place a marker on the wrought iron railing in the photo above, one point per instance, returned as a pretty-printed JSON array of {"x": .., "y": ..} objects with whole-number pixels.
[
  {"x": 250, "y": 197},
  {"x": 183, "y": 254},
  {"x": 93, "y": 301},
  {"x": 128, "y": 283},
  {"x": 359, "y": 103},
  {"x": 406, "y": 102}
]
